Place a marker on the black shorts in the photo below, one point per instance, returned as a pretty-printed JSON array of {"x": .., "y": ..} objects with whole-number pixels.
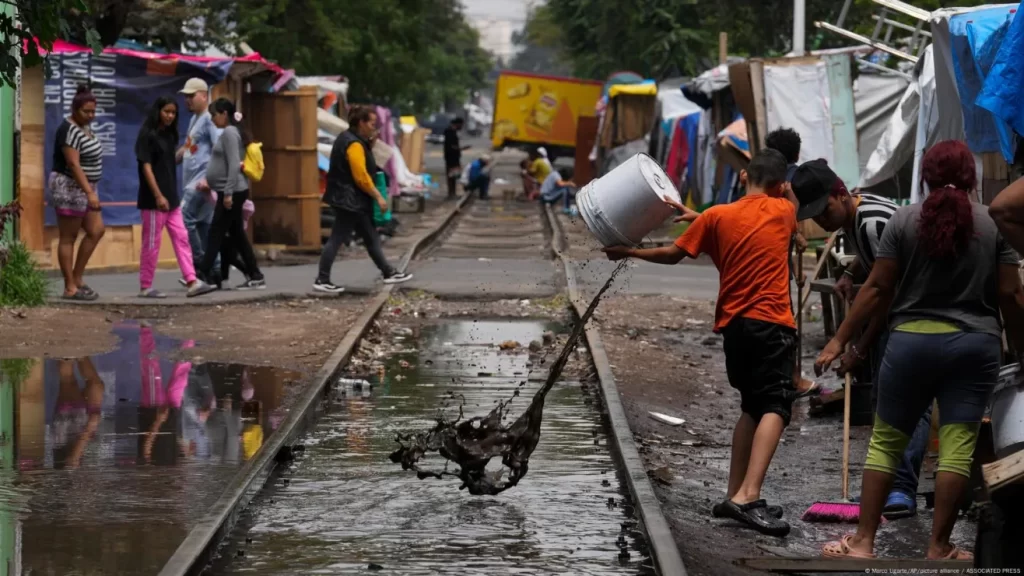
[{"x": 759, "y": 359}]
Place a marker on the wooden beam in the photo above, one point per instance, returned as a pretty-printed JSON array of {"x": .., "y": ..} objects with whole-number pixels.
[
  {"x": 877, "y": 565},
  {"x": 825, "y": 255},
  {"x": 1004, "y": 472},
  {"x": 723, "y": 47}
]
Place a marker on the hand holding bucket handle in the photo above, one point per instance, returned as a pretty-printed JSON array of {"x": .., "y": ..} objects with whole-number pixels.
[{"x": 685, "y": 214}]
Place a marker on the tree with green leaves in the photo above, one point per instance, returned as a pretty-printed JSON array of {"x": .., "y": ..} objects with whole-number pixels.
[
  {"x": 660, "y": 38},
  {"x": 38, "y": 24},
  {"x": 413, "y": 54}
]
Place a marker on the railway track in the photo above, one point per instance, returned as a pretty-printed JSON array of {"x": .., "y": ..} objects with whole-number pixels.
[{"x": 326, "y": 509}]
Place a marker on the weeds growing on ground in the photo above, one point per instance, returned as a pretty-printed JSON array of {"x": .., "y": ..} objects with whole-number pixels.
[
  {"x": 15, "y": 370},
  {"x": 22, "y": 283}
]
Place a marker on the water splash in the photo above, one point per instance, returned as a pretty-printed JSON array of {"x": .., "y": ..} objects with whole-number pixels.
[{"x": 472, "y": 443}]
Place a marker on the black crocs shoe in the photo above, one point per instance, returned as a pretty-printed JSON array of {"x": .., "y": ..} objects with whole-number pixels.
[
  {"x": 756, "y": 515},
  {"x": 774, "y": 510}
]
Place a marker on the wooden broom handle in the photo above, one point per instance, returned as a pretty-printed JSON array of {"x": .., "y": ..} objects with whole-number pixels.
[
  {"x": 846, "y": 426},
  {"x": 805, "y": 294}
]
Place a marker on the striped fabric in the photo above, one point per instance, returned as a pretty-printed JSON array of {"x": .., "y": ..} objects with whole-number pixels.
[
  {"x": 873, "y": 213},
  {"x": 90, "y": 152}
]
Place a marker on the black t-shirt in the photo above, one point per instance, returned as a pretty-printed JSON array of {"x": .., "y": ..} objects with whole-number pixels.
[
  {"x": 157, "y": 149},
  {"x": 452, "y": 149}
]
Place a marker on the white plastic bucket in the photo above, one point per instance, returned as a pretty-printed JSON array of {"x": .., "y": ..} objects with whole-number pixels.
[
  {"x": 626, "y": 204},
  {"x": 1008, "y": 412}
]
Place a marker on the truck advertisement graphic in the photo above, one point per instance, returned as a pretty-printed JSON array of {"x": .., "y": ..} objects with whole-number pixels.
[{"x": 540, "y": 110}]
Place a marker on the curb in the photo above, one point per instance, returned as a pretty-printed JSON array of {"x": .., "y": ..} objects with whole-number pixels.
[
  {"x": 664, "y": 551},
  {"x": 199, "y": 546}
]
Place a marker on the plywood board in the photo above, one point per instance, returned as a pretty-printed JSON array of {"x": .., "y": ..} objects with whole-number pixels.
[
  {"x": 119, "y": 248},
  {"x": 586, "y": 136},
  {"x": 756, "y": 140},
  {"x": 32, "y": 180}
]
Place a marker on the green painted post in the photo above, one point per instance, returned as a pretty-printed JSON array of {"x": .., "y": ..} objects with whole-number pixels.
[{"x": 7, "y": 96}]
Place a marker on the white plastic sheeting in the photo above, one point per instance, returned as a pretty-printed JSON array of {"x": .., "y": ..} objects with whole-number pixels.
[
  {"x": 896, "y": 147},
  {"x": 797, "y": 97},
  {"x": 330, "y": 123}
]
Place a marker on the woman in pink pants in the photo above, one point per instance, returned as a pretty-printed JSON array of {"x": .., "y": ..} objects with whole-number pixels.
[{"x": 159, "y": 200}]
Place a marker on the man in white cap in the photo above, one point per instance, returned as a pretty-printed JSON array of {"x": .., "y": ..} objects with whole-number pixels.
[{"x": 196, "y": 207}]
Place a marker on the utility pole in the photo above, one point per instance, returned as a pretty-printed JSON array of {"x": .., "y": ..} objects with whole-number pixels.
[{"x": 799, "y": 27}]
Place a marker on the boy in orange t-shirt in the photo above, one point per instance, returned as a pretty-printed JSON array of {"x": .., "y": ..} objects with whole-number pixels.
[{"x": 748, "y": 240}]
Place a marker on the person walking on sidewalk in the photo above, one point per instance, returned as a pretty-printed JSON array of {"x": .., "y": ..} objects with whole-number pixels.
[
  {"x": 351, "y": 194},
  {"x": 194, "y": 156},
  {"x": 453, "y": 155},
  {"x": 943, "y": 274},
  {"x": 226, "y": 179},
  {"x": 748, "y": 240},
  {"x": 77, "y": 169},
  {"x": 862, "y": 218},
  {"x": 158, "y": 199}
]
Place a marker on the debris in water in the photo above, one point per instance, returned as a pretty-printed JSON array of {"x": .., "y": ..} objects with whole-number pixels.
[
  {"x": 662, "y": 475},
  {"x": 535, "y": 346},
  {"x": 509, "y": 345},
  {"x": 472, "y": 443},
  {"x": 373, "y": 566},
  {"x": 666, "y": 419}
]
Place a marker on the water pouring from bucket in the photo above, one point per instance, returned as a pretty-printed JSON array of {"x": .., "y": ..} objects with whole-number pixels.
[{"x": 625, "y": 205}]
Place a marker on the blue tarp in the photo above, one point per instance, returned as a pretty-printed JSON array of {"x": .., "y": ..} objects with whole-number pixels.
[
  {"x": 1003, "y": 90},
  {"x": 125, "y": 88},
  {"x": 975, "y": 41}
]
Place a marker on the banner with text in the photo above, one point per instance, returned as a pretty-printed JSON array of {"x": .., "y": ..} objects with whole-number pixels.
[{"x": 125, "y": 88}]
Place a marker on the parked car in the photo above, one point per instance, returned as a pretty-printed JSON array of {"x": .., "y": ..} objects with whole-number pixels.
[{"x": 436, "y": 123}]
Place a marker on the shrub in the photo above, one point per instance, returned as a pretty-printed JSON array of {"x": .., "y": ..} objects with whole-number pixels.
[{"x": 22, "y": 283}]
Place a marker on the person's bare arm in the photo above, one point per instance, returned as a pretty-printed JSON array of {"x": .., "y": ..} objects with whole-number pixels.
[
  {"x": 670, "y": 254},
  {"x": 1008, "y": 212},
  {"x": 1011, "y": 304},
  {"x": 873, "y": 300}
]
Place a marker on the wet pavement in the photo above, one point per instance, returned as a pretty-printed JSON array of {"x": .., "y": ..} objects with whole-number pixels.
[
  {"x": 342, "y": 506},
  {"x": 108, "y": 461}
]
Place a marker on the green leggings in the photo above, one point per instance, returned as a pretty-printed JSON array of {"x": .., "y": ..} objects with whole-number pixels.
[{"x": 956, "y": 447}]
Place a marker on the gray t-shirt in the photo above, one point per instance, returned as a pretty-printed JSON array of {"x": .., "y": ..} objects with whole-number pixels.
[
  {"x": 961, "y": 291},
  {"x": 224, "y": 173}
]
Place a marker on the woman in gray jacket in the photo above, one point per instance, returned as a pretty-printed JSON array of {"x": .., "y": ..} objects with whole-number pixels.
[{"x": 225, "y": 177}]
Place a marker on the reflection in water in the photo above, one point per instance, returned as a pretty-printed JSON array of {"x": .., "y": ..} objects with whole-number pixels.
[
  {"x": 109, "y": 460},
  {"x": 344, "y": 505}
]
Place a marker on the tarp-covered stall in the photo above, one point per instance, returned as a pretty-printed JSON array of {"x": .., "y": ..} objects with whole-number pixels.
[{"x": 126, "y": 82}]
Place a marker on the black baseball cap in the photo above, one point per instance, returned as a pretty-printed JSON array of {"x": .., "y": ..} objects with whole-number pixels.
[{"x": 812, "y": 183}]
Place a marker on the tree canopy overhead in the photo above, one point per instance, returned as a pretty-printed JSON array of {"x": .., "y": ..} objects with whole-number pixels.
[{"x": 659, "y": 38}]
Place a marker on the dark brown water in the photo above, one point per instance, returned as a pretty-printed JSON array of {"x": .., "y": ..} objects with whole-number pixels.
[
  {"x": 343, "y": 505},
  {"x": 107, "y": 461},
  {"x": 472, "y": 444}
]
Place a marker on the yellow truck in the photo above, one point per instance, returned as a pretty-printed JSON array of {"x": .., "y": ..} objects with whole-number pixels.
[{"x": 532, "y": 110}]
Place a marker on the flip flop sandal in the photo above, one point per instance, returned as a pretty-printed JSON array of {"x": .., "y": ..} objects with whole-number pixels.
[
  {"x": 80, "y": 296},
  {"x": 958, "y": 554},
  {"x": 814, "y": 390},
  {"x": 85, "y": 288},
  {"x": 899, "y": 505},
  {"x": 841, "y": 549}
]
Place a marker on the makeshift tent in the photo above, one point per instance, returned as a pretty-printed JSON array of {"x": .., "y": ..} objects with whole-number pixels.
[
  {"x": 975, "y": 39},
  {"x": 670, "y": 107},
  {"x": 1003, "y": 91}
]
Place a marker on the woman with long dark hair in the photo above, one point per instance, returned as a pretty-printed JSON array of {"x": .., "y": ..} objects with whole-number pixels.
[
  {"x": 159, "y": 201},
  {"x": 77, "y": 169},
  {"x": 225, "y": 177},
  {"x": 943, "y": 273}
]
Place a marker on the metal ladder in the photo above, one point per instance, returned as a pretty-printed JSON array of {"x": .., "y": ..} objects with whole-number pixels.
[{"x": 881, "y": 37}]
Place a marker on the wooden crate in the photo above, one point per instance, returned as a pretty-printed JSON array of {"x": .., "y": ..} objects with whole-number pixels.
[{"x": 287, "y": 199}]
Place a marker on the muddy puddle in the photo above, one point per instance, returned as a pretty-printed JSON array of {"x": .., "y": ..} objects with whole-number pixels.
[
  {"x": 343, "y": 507},
  {"x": 107, "y": 461}
]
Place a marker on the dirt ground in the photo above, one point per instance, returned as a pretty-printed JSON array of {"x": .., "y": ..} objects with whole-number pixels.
[
  {"x": 295, "y": 334},
  {"x": 667, "y": 359}
]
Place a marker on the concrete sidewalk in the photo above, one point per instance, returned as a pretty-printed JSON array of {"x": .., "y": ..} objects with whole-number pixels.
[{"x": 445, "y": 277}]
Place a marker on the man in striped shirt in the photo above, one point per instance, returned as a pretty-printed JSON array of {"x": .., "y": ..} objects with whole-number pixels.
[{"x": 862, "y": 218}]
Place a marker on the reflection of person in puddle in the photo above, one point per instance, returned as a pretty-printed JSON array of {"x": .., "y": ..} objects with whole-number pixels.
[
  {"x": 73, "y": 402},
  {"x": 156, "y": 401}
]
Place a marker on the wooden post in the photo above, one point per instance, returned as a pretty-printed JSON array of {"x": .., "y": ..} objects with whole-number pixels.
[{"x": 723, "y": 47}]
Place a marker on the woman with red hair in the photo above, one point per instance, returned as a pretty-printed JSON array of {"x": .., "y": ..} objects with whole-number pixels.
[{"x": 942, "y": 274}]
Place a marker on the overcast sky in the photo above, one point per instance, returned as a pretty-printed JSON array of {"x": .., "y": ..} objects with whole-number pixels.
[{"x": 512, "y": 10}]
